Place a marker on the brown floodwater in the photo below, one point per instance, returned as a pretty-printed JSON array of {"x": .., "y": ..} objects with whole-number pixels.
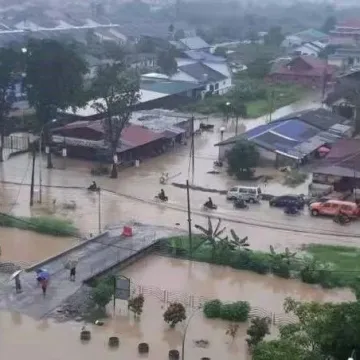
[
  {"x": 182, "y": 278},
  {"x": 46, "y": 339},
  {"x": 136, "y": 188},
  {"x": 28, "y": 247}
]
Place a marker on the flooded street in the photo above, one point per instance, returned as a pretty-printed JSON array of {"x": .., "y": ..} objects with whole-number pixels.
[{"x": 131, "y": 197}]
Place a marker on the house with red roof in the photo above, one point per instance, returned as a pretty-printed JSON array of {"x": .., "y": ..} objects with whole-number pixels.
[
  {"x": 303, "y": 70},
  {"x": 86, "y": 139},
  {"x": 346, "y": 33}
]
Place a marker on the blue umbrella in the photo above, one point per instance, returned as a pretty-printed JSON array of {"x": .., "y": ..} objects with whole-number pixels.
[{"x": 43, "y": 275}]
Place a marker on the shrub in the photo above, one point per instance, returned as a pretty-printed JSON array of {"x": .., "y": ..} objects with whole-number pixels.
[
  {"x": 237, "y": 311},
  {"x": 281, "y": 269},
  {"x": 174, "y": 313},
  {"x": 101, "y": 294},
  {"x": 212, "y": 309},
  {"x": 41, "y": 224}
]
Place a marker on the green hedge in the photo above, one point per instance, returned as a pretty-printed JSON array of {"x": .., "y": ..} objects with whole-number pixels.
[
  {"x": 41, "y": 224},
  {"x": 236, "y": 311}
]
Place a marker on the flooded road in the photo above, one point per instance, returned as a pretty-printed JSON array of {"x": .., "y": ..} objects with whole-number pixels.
[{"x": 134, "y": 191}]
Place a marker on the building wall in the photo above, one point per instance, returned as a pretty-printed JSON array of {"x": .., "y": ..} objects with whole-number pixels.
[{"x": 298, "y": 79}]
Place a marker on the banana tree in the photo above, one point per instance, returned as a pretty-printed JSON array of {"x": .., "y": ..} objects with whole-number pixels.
[
  {"x": 212, "y": 235},
  {"x": 236, "y": 242},
  {"x": 287, "y": 255}
]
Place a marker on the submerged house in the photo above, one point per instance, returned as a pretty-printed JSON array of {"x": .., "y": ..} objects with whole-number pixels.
[
  {"x": 148, "y": 135},
  {"x": 294, "y": 139}
]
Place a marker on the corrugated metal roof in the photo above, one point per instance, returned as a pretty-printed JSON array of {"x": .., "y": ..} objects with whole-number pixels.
[{"x": 194, "y": 43}]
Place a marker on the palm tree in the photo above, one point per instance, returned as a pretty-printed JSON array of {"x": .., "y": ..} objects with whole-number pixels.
[
  {"x": 212, "y": 235},
  {"x": 286, "y": 255},
  {"x": 236, "y": 242}
]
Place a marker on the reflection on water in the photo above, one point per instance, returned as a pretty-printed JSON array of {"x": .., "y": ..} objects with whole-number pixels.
[{"x": 221, "y": 282}]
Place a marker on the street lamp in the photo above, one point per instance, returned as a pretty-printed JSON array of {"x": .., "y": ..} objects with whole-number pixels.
[
  {"x": 185, "y": 331},
  {"x": 228, "y": 104},
  {"x": 40, "y": 155},
  {"x": 222, "y": 130}
]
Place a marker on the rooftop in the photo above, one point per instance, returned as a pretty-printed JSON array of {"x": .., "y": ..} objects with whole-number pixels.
[
  {"x": 311, "y": 35},
  {"x": 194, "y": 43},
  {"x": 202, "y": 72},
  {"x": 298, "y": 134}
]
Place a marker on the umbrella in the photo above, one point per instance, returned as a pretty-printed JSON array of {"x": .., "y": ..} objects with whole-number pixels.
[
  {"x": 15, "y": 274},
  {"x": 71, "y": 263},
  {"x": 44, "y": 275}
]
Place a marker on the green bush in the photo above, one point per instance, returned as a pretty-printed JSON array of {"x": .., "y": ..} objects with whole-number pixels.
[
  {"x": 237, "y": 311},
  {"x": 212, "y": 309},
  {"x": 102, "y": 294},
  {"x": 41, "y": 224}
]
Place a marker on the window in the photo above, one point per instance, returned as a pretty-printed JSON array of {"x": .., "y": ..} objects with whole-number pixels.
[
  {"x": 217, "y": 86},
  {"x": 327, "y": 205},
  {"x": 234, "y": 189}
]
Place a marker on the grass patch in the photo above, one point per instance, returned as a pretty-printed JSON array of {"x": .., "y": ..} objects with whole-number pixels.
[
  {"x": 41, "y": 224},
  {"x": 344, "y": 262},
  {"x": 282, "y": 95}
]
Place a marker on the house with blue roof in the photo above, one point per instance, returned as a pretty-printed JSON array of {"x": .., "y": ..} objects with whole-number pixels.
[{"x": 293, "y": 139}]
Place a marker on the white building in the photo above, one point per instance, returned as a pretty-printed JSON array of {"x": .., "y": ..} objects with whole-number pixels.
[{"x": 310, "y": 49}]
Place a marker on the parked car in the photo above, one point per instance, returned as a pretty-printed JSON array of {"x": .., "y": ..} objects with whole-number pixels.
[
  {"x": 334, "y": 207},
  {"x": 287, "y": 200},
  {"x": 248, "y": 193}
]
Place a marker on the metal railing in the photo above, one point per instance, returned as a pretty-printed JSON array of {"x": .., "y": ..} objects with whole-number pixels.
[{"x": 193, "y": 302}]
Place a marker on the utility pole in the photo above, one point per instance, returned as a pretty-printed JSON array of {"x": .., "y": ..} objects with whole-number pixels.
[
  {"x": 192, "y": 151},
  {"x": 32, "y": 176},
  {"x": 99, "y": 210},
  {"x": 189, "y": 216}
]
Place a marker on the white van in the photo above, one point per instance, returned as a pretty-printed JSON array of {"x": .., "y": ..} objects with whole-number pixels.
[{"x": 248, "y": 193}]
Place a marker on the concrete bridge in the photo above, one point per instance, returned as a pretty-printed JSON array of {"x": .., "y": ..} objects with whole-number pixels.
[{"x": 95, "y": 257}]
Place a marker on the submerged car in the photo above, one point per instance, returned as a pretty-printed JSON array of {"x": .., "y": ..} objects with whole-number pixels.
[{"x": 334, "y": 207}]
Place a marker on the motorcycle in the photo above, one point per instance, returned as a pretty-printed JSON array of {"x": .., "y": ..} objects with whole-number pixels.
[
  {"x": 207, "y": 206},
  {"x": 93, "y": 188},
  {"x": 161, "y": 198},
  {"x": 240, "y": 204},
  {"x": 291, "y": 210}
]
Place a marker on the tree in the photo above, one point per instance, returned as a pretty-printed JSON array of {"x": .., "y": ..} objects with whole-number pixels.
[
  {"x": 258, "y": 68},
  {"x": 212, "y": 235},
  {"x": 117, "y": 91},
  {"x": 242, "y": 159},
  {"x": 258, "y": 329},
  {"x": 179, "y": 34},
  {"x": 167, "y": 62},
  {"x": 174, "y": 314},
  {"x": 323, "y": 331},
  {"x": 136, "y": 304},
  {"x": 9, "y": 72},
  {"x": 101, "y": 294},
  {"x": 54, "y": 80},
  {"x": 274, "y": 36},
  {"x": 236, "y": 242},
  {"x": 329, "y": 24}
]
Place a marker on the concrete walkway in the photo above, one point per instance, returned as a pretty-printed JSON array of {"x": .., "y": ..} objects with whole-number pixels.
[{"x": 94, "y": 257}]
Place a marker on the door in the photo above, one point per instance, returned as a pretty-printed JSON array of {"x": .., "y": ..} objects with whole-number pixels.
[{"x": 328, "y": 208}]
